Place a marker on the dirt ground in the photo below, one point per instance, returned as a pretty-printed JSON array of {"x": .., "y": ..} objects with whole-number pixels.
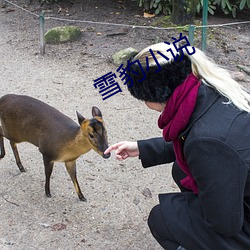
[{"x": 119, "y": 195}]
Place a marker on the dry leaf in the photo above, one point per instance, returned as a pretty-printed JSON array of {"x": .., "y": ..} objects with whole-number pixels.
[
  {"x": 58, "y": 227},
  {"x": 147, "y": 193},
  {"x": 147, "y": 15}
]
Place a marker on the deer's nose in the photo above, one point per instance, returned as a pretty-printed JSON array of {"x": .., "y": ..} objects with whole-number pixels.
[{"x": 106, "y": 156}]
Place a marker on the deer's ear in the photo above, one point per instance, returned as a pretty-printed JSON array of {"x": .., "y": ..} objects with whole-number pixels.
[
  {"x": 96, "y": 112},
  {"x": 80, "y": 118}
]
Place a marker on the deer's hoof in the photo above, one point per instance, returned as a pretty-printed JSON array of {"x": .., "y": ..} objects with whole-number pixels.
[{"x": 82, "y": 198}]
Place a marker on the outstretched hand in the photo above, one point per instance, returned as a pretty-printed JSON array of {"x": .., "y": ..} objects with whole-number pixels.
[{"x": 124, "y": 150}]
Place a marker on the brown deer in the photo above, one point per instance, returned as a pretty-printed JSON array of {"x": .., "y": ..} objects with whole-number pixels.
[{"x": 59, "y": 139}]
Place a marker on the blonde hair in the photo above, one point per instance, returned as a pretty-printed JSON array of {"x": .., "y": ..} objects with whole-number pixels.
[{"x": 203, "y": 68}]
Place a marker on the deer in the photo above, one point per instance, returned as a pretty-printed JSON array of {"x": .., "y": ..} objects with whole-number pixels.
[{"x": 58, "y": 137}]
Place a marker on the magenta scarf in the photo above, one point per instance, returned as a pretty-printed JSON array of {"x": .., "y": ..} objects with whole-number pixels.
[{"x": 175, "y": 118}]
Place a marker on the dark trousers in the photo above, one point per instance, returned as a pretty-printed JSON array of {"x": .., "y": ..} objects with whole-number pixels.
[{"x": 156, "y": 221}]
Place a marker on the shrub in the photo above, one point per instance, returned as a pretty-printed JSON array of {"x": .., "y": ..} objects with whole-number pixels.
[
  {"x": 165, "y": 6},
  {"x": 156, "y": 6}
]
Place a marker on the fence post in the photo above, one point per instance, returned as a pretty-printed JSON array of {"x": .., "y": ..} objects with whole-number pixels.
[
  {"x": 204, "y": 24},
  {"x": 42, "y": 32},
  {"x": 191, "y": 35}
]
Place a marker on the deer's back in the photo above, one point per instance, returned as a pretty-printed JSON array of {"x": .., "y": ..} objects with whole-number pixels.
[{"x": 24, "y": 118}]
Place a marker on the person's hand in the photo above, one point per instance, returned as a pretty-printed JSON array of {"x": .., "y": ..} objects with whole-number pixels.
[{"x": 124, "y": 149}]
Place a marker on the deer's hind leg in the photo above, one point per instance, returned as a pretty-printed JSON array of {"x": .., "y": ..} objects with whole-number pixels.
[
  {"x": 48, "y": 164},
  {"x": 1, "y": 144},
  {"x": 18, "y": 161},
  {"x": 71, "y": 168}
]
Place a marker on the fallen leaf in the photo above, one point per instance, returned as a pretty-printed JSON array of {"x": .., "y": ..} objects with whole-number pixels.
[
  {"x": 147, "y": 193},
  {"x": 147, "y": 15},
  {"x": 58, "y": 227}
]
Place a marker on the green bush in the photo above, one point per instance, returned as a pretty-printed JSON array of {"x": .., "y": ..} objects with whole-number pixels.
[
  {"x": 165, "y": 6},
  {"x": 156, "y": 6},
  {"x": 232, "y": 6},
  {"x": 211, "y": 7}
]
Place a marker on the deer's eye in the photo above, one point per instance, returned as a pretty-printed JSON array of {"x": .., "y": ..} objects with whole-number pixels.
[{"x": 91, "y": 136}]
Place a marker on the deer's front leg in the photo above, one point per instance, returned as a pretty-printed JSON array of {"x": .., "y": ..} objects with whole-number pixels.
[{"x": 71, "y": 168}]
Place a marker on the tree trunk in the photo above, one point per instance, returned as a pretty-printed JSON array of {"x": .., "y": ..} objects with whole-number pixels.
[{"x": 183, "y": 11}]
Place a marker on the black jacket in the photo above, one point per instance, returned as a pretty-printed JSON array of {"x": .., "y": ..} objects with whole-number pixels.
[{"x": 216, "y": 145}]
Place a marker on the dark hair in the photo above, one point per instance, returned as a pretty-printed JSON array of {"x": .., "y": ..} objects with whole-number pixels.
[{"x": 157, "y": 87}]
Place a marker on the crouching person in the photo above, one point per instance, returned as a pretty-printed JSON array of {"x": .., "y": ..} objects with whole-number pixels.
[{"x": 205, "y": 120}]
